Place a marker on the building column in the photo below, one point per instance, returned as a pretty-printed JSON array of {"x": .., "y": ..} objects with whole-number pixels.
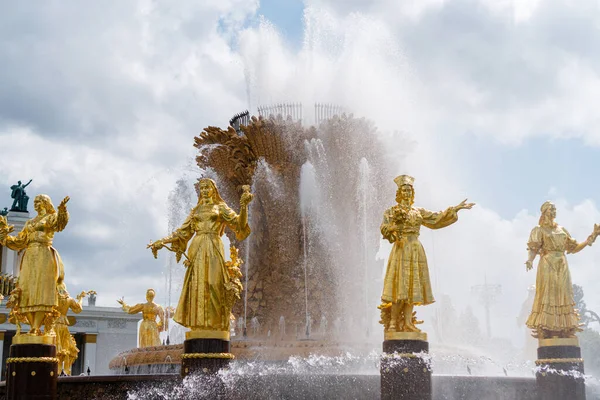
[
  {"x": 11, "y": 259},
  {"x": 89, "y": 353}
]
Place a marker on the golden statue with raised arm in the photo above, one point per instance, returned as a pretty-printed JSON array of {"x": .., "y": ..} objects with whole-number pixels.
[
  {"x": 149, "y": 329},
  {"x": 406, "y": 282},
  {"x": 41, "y": 269},
  {"x": 553, "y": 314},
  {"x": 203, "y": 304},
  {"x": 66, "y": 348}
]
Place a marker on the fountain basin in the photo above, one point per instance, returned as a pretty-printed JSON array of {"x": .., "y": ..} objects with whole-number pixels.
[
  {"x": 167, "y": 359},
  {"x": 300, "y": 386}
]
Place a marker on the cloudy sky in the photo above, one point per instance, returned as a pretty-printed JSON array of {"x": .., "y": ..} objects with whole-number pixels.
[{"x": 101, "y": 101}]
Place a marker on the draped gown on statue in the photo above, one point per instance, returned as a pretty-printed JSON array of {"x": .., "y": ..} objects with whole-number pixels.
[
  {"x": 201, "y": 305},
  {"x": 554, "y": 305},
  {"x": 407, "y": 274},
  {"x": 41, "y": 267}
]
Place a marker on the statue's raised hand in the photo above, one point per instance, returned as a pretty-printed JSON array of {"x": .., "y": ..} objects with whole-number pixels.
[
  {"x": 246, "y": 196},
  {"x": 63, "y": 204},
  {"x": 596, "y": 232},
  {"x": 463, "y": 205}
]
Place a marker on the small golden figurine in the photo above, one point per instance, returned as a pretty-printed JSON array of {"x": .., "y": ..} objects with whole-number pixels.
[
  {"x": 66, "y": 348},
  {"x": 406, "y": 281},
  {"x": 204, "y": 305},
  {"x": 234, "y": 287},
  {"x": 41, "y": 270},
  {"x": 149, "y": 329},
  {"x": 553, "y": 314}
]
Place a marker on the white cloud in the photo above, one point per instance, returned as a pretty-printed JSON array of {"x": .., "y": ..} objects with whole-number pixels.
[{"x": 101, "y": 103}]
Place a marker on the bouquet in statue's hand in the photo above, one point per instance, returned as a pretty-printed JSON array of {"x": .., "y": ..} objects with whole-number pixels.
[
  {"x": 246, "y": 197},
  {"x": 400, "y": 214}
]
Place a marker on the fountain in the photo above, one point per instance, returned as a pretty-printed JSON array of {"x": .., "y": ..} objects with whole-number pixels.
[
  {"x": 310, "y": 260},
  {"x": 295, "y": 266}
]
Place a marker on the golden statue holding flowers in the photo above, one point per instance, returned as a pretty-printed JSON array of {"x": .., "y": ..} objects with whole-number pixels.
[
  {"x": 204, "y": 305},
  {"x": 406, "y": 282}
]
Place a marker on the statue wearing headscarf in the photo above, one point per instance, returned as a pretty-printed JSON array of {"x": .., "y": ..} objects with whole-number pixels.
[{"x": 204, "y": 298}]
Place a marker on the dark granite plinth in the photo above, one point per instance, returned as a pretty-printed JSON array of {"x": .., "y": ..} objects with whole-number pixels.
[
  {"x": 32, "y": 372},
  {"x": 404, "y": 375},
  {"x": 204, "y": 356},
  {"x": 560, "y": 373}
]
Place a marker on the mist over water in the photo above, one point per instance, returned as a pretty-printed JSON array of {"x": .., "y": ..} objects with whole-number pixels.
[{"x": 356, "y": 62}]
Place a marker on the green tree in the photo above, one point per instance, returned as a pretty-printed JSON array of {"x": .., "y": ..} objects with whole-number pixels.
[
  {"x": 587, "y": 316},
  {"x": 589, "y": 339}
]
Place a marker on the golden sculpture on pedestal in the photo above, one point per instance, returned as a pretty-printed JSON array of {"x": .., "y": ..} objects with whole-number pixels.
[
  {"x": 66, "y": 348},
  {"x": 406, "y": 282},
  {"x": 553, "y": 314},
  {"x": 149, "y": 334},
  {"x": 35, "y": 300},
  {"x": 204, "y": 303}
]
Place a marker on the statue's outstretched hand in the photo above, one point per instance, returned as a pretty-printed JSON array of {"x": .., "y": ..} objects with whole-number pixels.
[
  {"x": 596, "y": 232},
  {"x": 528, "y": 265},
  {"x": 463, "y": 205},
  {"x": 155, "y": 247}
]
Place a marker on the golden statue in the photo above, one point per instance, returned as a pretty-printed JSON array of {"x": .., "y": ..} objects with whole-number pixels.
[
  {"x": 149, "y": 329},
  {"x": 204, "y": 306},
  {"x": 553, "y": 314},
  {"x": 233, "y": 288},
  {"x": 34, "y": 300},
  {"x": 406, "y": 281},
  {"x": 66, "y": 348}
]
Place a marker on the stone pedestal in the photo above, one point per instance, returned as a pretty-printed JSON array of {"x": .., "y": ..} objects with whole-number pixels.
[
  {"x": 405, "y": 373},
  {"x": 32, "y": 370},
  {"x": 560, "y": 370},
  {"x": 205, "y": 354}
]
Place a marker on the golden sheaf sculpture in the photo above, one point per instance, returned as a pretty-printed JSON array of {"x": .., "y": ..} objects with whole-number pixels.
[
  {"x": 205, "y": 302},
  {"x": 35, "y": 299},
  {"x": 407, "y": 282},
  {"x": 553, "y": 314}
]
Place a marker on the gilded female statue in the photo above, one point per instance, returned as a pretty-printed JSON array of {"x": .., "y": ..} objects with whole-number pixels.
[
  {"x": 553, "y": 313},
  {"x": 406, "y": 282},
  {"x": 41, "y": 268},
  {"x": 204, "y": 298},
  {"x": 66, "y": 348},
  {"x": 149, "y": 334}
]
